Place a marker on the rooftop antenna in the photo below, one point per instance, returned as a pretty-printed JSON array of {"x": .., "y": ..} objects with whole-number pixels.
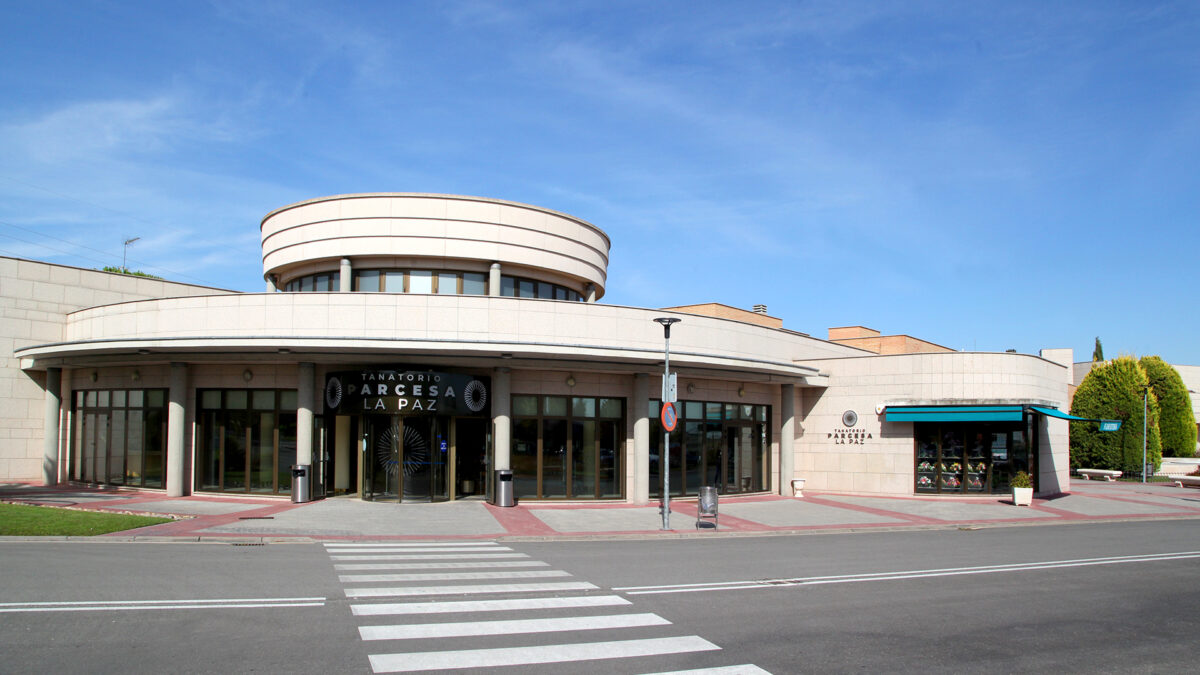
[{"x": 125, "y": 254}]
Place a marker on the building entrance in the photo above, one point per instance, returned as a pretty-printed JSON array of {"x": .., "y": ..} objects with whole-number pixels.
[{"x": 404, "y": 458}]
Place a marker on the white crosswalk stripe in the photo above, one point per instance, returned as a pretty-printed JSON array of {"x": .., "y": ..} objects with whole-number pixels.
[
  {"x": 522, "y": 656},
  {"x": 449, "y": 567},
  {"x": 516, "y": 626}
]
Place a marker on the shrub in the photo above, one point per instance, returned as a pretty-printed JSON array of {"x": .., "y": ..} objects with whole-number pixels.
[
  {"x": 1113, "y": 390},
  {"x": 1176, "y": 421},
  {"x": 1021, "y": 480}
]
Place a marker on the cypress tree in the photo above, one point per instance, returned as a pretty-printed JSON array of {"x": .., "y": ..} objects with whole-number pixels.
[
  {"x": 1098, "y": 351},
  {"x": 1113, "y": 390},
  {"x": 1176, "y": 422}
]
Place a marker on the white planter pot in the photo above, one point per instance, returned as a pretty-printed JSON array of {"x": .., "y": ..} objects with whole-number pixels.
[
  {"x": 1022, "y": 496},
  {"x": 797, "y": 487}
]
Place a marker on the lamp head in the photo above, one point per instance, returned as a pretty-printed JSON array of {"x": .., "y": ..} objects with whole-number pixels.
[{"x": 667, "y": 322}]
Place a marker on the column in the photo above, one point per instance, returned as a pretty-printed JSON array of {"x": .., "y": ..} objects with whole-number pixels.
[
  {"x": 638, "y": 409},
  {"x": 51, "y": 420},
  {"x": 271, "y": 283},
  {"x": 591, "y": 292},
  {"x": 304, "y": 415},
  {"x": 345, "y": 276},
  {"x": 502, "y": 418},
  {"x": 176, "y": 409},
  {"x": 494, "y": 279},
  {"x": 787, "y": 439}
]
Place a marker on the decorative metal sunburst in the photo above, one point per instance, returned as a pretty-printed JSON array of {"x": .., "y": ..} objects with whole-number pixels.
[{"x": 416, "y": 451}]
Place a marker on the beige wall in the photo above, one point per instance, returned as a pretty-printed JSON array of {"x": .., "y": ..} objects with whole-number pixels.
[
  {"x": 409, "y": 227},
  {"x": 884, "y": 463},
  {"x": 34, "y": 299}
]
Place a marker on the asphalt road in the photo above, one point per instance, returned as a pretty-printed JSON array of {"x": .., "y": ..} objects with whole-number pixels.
[{"x": 1115, "y": 597}]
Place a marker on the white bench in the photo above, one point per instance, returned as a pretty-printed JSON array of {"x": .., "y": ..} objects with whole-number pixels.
[
  {"x": 1181, "y": 481},
  {"x": 1107, "y": 475}
]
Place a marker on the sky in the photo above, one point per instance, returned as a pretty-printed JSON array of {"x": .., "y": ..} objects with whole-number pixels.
[{"x": 985, "y": 176}]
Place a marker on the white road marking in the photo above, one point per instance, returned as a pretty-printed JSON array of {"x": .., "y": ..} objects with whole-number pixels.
[
  {"x": 412, "y": 544},
  {"x": 427, "y": 548},
  {"x": 495, "y": 564},
  {"x": 516, "y": 656},
  {"x": 910, "y": 574},
  {"x": 510, "y": 627},
  {"x": 431, "y": 556},
  {"x": 743, "y": 669},
  {"x": 399, "y": 608},
  {"x": 129, "y": 605},
  {"x": 469, "y": 589},
  {"x": 449, "y": 576}
]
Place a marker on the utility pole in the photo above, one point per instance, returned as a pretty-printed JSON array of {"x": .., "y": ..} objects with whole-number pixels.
[{"x": 665, "y": 453}]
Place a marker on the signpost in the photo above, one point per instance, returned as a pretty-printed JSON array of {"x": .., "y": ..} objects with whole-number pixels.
[{"x": 669, "y": 396}]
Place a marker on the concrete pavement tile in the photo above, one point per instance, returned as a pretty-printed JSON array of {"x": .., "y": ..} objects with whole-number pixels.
[
  {"x": 351, "y": 517},
  {"x": 1098, "y": 506},
  {"x": 942, "y": 510},
  {"x": 799, "y": 513},
  {"x": 632, "y": 519},
  {"x": 192, "y": 507}
]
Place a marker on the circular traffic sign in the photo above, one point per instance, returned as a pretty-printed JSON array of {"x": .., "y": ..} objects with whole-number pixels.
[{"x": 669, "y": 416}]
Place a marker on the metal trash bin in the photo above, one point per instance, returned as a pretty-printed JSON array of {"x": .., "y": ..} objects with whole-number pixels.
[
  {"x": 503, "y": 494},
  {"x": 301, "y": 483},
  {"x": 706, "y": 505}
]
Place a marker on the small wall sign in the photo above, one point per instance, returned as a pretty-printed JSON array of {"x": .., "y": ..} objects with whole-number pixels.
[{"x": 850, "y": 434}]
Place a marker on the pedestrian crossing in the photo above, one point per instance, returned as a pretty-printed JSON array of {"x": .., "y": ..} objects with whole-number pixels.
[{"x": 438, "y": 628}]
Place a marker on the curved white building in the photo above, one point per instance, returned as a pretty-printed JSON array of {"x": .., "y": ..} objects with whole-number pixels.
[{"x": 407, "y": 346}]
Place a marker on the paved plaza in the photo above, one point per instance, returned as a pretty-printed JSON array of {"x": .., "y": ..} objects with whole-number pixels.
[{"x": 223, "y": 517}]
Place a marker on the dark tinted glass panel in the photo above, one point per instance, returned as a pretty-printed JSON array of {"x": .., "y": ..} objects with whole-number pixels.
[
  {"x": 554, "y": 458},
  {"x": 583, "y": 458},
  {"x": 525, "y": 458}
]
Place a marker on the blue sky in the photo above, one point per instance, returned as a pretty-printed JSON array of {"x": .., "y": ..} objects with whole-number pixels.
[{"x": 981, "y": 175}]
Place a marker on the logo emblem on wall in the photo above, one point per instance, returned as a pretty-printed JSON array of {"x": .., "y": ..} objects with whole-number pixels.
[
  {"x": 333, "y": 393},
  {"x": 849, "y": 435},
  {"x": 475, "y": 395}
]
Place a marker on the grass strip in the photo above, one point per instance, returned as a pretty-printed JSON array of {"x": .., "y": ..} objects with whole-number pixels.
[{"x": 46, "y": 521}]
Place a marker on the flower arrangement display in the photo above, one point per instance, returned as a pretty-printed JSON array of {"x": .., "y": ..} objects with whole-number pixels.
[
  {"x": 951, "y": 481},
  {"x": 925, "y": 466},
  {"x": 977, "y": 468},
  {"x": 975, "y": 483},
  {"x": 924, "y": 481},
  {"x": 955, "y": 467}
]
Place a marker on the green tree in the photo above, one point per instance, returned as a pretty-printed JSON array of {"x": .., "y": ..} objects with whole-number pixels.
[
  {"x": 1113, "y": 390},
  {"x": 125, "y": 270},
  {"x": 1098, "y": 352},
  {"x": 1176, "y": 421}
]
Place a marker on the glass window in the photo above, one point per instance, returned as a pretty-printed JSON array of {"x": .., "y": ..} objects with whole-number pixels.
[
  {"x": 155, "y": 398},
  {"x": 560, "y": 293},
  {"x": 287, "y": 399},
  {"x": 555, "y": 406},
  {"x": 693, "y": 410},
  {"x": 306, "y": 285},
  {"x": 264, "y": 399},
  {"x": 447, "y": 283},
  {"x": 610, "y": 407},
  {"x": 103, "y": 399},
  {"x": 420, "y": 281},
  {"x": 335, "y": 281},
  {"x": 508, "y": 286},
  {"x": 525, "y": 288},
  {"x": 236, "y": 399},
  {"x": 583, "y": 407},
  {"x": 474, "y": 284},
  {"x": 118, "y": 399},
  {"x": 135, "y": 398},
  {"x": 393, "y": 282},
  {"x": 366, "y": 281},
  {"x": 321, "y": 283},
  {"x": 712, "y": 411},
  {"x": 545, "y": 290},
  {"x": 525, "y": 405}
]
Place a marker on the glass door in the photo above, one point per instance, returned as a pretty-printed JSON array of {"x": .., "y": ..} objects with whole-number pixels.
[{"x": 380, "y": 447}]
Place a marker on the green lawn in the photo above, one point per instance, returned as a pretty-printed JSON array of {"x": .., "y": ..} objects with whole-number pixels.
[{"x": 18, "y": 519}]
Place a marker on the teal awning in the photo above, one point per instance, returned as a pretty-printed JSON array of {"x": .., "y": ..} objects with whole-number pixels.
[
  {"x": 1105, "y": 425},
  {"x": 1054, "y": 412},
  {"x": 955, "y": 413}
]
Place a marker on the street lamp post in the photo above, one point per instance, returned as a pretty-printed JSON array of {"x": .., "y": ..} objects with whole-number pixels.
[
  {"x": 1145, "y": 412},
  {"x": 665, "y": 453},
  {"x": 125, "y": 252}
]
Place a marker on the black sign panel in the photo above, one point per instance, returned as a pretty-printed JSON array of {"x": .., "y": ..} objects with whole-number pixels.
[{"x": 407, "y": 392}]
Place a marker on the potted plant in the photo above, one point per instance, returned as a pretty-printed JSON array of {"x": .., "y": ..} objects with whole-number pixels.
[{"x": 1022, "y": 489}]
